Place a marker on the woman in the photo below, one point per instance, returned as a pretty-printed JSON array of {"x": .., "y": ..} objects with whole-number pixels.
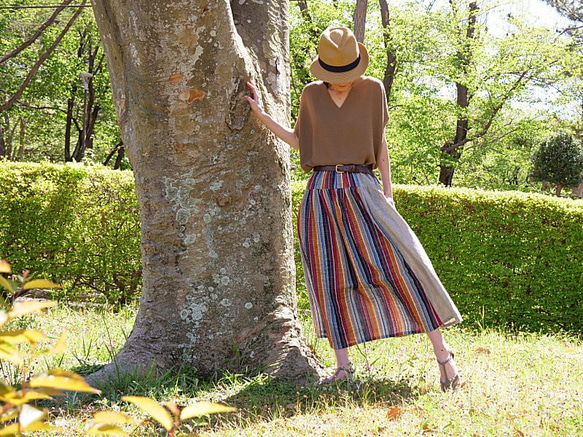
[{"x": 368, "y": 277}]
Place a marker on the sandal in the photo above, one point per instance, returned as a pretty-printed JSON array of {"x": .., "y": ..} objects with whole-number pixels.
[
  {"x": 336, "y": 377},
  {"x": 449, "y": 384}
]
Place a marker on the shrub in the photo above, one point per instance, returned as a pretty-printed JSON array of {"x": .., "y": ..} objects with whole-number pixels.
[
  {"x": 508, "y": 259},
  {"x": 76, "y": 225},
  {"x": 559, "y": 161}
]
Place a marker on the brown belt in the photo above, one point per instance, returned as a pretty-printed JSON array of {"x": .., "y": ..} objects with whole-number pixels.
[{"x": 349, "y": 168}]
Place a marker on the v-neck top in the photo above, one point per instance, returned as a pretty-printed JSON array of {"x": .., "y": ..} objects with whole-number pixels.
[{"x": 349, "y": 134}]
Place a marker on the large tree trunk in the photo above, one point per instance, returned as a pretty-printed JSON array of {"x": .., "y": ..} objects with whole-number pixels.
[{"x": 213, "y": 186}]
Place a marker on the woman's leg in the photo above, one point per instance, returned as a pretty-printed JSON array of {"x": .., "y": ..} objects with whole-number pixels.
[
  {"x": 344, "y": 368},
  {"x": 342, "y": 360},
  {"x": 442, "y": 354}
]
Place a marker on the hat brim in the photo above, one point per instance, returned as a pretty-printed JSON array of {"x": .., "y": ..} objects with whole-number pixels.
[{"x": 346, "y": 76}]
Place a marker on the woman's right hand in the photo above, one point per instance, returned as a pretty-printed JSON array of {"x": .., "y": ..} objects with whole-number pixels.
[
  {"x": 254, "y": 99},
  {"x": 284, "y": 133}
]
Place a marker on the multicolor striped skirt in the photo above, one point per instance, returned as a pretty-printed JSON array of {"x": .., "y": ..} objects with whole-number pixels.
[{"x": 368, "y": 276}]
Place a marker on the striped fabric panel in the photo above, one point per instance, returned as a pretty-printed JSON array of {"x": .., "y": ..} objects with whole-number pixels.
[{"x": 359, "y": 285}]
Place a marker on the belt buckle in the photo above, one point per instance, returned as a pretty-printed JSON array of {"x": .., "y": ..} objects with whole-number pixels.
[{"x": 336, "y": 168}]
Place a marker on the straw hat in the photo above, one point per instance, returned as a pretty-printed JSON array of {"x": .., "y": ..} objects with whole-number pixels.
[{"x": 340, "y": 57}]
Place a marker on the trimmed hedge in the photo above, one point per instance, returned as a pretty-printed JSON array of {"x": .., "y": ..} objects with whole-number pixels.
[
  {"x": 73, "y": 224},
  {"x": 508, "y": 259}
]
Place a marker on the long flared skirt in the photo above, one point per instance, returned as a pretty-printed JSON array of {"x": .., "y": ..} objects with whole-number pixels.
[{"x": 368, "y": 276}]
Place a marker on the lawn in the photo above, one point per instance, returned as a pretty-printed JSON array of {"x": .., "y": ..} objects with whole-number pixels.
[{"x": 515, "y": 384}]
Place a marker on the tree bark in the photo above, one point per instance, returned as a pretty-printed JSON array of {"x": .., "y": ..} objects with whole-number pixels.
[
  {"x": 391, "y": 68},
  {"x": 21, "y": 139},
  {"x": 359, "y": 19},
  {"x": 213, "y": 186},
  {"x": 452, "y": 151},
  {"x": 3, "y": 151},
  {"x": 68, "y": 128}
]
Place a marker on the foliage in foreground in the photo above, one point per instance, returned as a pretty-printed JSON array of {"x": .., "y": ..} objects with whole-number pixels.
[{"x": 17, "y": 409}]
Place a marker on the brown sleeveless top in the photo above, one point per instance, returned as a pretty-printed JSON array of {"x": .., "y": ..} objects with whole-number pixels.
[{"x": 350, "y": 134}]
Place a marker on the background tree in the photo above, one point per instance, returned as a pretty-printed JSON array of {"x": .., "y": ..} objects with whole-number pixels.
[
  {"x": 500, "y": 74},
  {"x": 559, "y": 161},
  {"x": 572, "y": 9},
  {"x": 452, "y": 150},
  {"x": 45, "y": 120},
  {"x": 213, "y": 187},
  {"x": 43, "y": 56},
  {"x": 359, "y": 20}
]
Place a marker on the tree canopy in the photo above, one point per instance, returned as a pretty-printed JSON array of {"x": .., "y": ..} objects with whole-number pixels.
[{"x": 433, "y": 56}]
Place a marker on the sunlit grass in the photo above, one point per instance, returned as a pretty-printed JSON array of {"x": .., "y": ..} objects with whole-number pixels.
[{"x": 514, "y": 385}]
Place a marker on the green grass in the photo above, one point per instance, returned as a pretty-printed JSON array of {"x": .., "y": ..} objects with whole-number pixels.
[{"x": 514, "y": 385}]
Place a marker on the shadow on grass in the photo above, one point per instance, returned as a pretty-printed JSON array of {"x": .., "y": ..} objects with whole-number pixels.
[
  {"x": 258, "y": 399},
  {"x": 263, "y": 400}
]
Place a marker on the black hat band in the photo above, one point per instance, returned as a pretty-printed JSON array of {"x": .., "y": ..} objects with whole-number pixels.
[{"x": 341, "y": 69}]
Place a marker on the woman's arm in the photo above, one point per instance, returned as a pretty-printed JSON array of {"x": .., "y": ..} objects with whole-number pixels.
[
  {"x": 384, "y": 166},
  {"x": 284, "y": 133}
]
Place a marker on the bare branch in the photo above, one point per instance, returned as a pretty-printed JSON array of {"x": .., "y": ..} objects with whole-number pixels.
[
  {"x": 40, "y": 61},
  {"x": 38, "y": 33}
]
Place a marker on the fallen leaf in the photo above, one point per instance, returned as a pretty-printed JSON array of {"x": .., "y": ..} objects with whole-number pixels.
[{"x": 394, "y": 413}]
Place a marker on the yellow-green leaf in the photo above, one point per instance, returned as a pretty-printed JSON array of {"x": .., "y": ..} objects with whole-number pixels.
[
  {"x": 153, "y": 408},
  {"x": 60, "y": 346},
  {"x": 8, "y": 353},
  {"x": 20, "y": 397},
  {"x": 13, "y": 429},
  {"x": 9, "y": 415},
  {"x": 62, "y": 380},
  {"x": 29, "y": 306},
  {"x": 6, "y": 284},
  {"x": 201, "y": 408},
  {"x": 10, "y": 429},
  {"x": 22, "y": 336},
  {"x": 49, "y": 391},
  {"x": 5, "y": 267},
  {"x": 40, "y": 426},
  {"x": 40, "y": 283},
  {"x": 105, "y": 429},
  {"x": 111, "y": 417}
]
